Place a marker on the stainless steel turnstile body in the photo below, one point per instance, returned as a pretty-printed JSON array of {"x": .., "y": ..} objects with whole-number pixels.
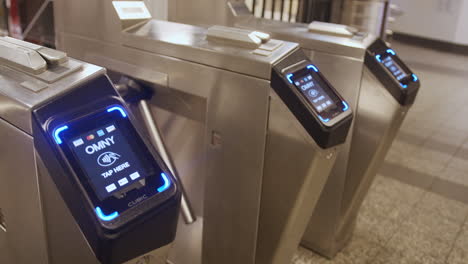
[
  {"x": 340, "y": 54},
  {"x": 25, "y": 186},
  {"x": 37, "y": 226},
  {"x": 231, "y": 137}
]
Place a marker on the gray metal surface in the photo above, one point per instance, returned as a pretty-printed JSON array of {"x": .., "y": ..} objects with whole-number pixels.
[
  {"x": 17, "y": 100},
  {"x": 366, "y": 15},
  {"x": 328, "y": 210},
  {"x": 4, "y": 254},
  {"x": 379, "y": 120},
  {"x": 296, "y": 170},
  {"x": 66, "y": 243},
  {"x": 21, "y": 202},
  {"x": 353, "y": 47},
  {"x": 190, "y": 43}
]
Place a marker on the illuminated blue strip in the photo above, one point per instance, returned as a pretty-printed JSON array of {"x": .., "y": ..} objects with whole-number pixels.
[
  {"x": 390, "y": 51},
  {"x": 312, "y": 67},
  {"x": 117, "y": 108},
  {"x": 289, "y": 76},
  {"x": 346, "y": 106},
  {"x": 324, "y": 120},
  {"x": 415, "y": 78},
  {"x": 378, "y": 58},
  {"x": 57, "y": 132},
  {"x": 404, "y": 85},
  {"x": 166, "y": 184},
  {"x": 104, "y": 217}
]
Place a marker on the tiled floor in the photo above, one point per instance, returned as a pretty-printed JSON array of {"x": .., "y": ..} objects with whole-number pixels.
[{"x": 417, "y": 209}]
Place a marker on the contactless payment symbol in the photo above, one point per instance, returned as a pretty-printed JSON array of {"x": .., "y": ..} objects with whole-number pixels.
[
  {"x": 313, "y": 93},
  {"x": 107, "y": 158}
]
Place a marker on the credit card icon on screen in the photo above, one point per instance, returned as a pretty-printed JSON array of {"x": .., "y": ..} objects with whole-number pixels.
[
  {"x": 78, "y": 142},
  {"x": 110, "y": 128}
]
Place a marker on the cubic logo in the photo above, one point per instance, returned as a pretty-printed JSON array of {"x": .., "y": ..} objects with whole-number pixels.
[
  {"x": 107, "y": 158},
  {"x": 101, "y": 144}
]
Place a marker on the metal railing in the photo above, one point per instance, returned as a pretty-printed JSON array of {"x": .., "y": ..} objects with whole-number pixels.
[
  {"x": 282, "y": 10},
  {"x": 304, "y": 11}
]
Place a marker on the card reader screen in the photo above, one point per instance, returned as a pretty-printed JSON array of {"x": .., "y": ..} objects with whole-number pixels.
[
  {"x": 314, "y": 92},
  {"x": 107, "y": 158},
  {"x": 396, "y": 70}
]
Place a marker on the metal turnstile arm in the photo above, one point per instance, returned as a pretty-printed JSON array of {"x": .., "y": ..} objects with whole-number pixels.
[{"x": 156, "y": 137}]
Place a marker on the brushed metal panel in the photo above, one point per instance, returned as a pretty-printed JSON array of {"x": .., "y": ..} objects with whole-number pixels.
[
  {"x": 296, "y": 170},
  {"x": 325, "y": 218},
  {"x": 66, "y": 242},
  {"x": 16, "y": 101},
  {"x": 99, "y": 21},
  {"x": 4, "y": 255},
  {"x": 237, "y": 112},
  {"x": 378, "y": 121},
  {"x": 299, "y": 32},
  {"x": 22, "y": 205},
  {"x": 190, "y": 43}
]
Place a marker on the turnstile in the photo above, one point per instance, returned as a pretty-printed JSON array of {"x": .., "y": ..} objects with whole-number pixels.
[
  {"x": 378, "y": 84},
  {"x": 79, "y": 181},
  {"x": 251, "y": 158}
]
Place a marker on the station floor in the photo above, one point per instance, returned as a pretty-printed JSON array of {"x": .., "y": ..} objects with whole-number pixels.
[{"x": 417, "y": 209}]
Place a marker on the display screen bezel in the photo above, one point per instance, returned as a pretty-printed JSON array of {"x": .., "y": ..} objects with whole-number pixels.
[
  {"x": 151, "y": 169},
  {"x": 339, "y": 105},
  {"x": 404, "y": 82}
]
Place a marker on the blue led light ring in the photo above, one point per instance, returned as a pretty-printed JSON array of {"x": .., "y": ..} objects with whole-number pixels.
[
  {"x": 57, "y": 132},
  {"x": 117, "y": 108},
  {"x": 378, "y": 58},
  {"x": 289, "y": 77},
  {"x": 312, "y": 67},
  {"x": 324, "y": 120},
  {"x": 166, "y": 184},
  {"x": 346, "y": 106},
  {"x": 415, "y": 78},
  {"x": 104, "y": 217},
  {"x": 392, "y": 52}
]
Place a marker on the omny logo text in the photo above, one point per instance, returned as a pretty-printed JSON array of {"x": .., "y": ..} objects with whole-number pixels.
[
  {"x": 100, "y": 145},
  {"x": 107, "y": 158}
]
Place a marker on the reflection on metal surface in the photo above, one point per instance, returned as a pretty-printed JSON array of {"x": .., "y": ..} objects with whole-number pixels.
[
  {"x": 2, "y": 221},
  {"x": 366, "y": 15}
]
